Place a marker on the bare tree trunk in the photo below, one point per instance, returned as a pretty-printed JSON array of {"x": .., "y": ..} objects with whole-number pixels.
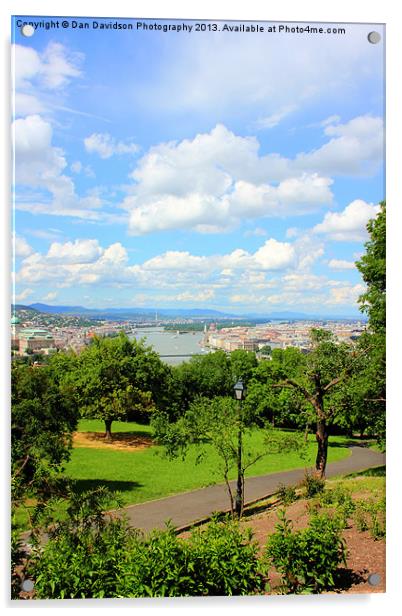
[
  {"x": 322, "y": 451},
  {"x": 108, "y": 429}
]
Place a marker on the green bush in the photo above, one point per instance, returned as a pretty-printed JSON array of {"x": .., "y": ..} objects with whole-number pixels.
[
  {"x": 220, "y": 559},
  {"x": 17, "y": 559},
  {"x": 93, "y": 556},
  {"x": 312, "y": 485},
  {"x": 340, "y": 498},
  {"x": 370, "y": 515},
  {"x": 307, "y": 559},
  {"x": 287, "y": 494},
  {"x": 225, "y": 560}
]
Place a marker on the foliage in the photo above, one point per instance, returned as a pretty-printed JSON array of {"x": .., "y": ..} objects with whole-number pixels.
[
  {"x": 372, "y": 266},
  {"x": 371, "y": 377},
  {"x": 225, "y": 560},
  {"x": 94, "y": 556},
  {"x": 340, "y": 498},
  {"x": 223, "y": 424},
  {"x": 370, "y": 515},
  {"x": 81, "y": 557},
  {"x": 17, "y": 556},
  {"x": 119, "y": 379},
  {"x": 312, "y": 484},
  {"x": 43, "y": 416},
  {"x": 287, "y": 494},
  {"x": 307, "y": 559}
]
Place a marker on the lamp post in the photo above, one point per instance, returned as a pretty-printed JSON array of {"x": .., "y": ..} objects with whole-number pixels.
[{"x": 240, "y": 392}]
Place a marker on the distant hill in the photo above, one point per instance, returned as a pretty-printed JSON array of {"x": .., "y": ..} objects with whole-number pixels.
[
  {"x": 123, "y": 312},
  {"x": 22, "y": 307},
  {"x": 130, "y": 313}
]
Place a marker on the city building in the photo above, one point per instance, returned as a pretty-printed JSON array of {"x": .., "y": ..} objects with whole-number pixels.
[{"x": 35, "y": 340}]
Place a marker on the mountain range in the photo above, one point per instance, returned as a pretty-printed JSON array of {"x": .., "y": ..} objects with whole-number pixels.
[{"x": 129, "y": 313}]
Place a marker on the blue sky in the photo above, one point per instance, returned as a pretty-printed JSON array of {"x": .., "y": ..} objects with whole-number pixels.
[{"x": 225, "y": 170}]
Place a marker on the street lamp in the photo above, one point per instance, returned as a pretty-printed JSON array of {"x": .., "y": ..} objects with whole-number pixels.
[{"x": 240, "y": 392}]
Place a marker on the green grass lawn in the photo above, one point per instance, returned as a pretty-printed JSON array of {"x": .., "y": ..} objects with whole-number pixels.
[{"x": 146, "y": 474}]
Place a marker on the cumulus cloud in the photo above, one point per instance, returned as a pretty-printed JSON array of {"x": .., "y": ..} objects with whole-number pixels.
[
  {"x": 21, "y": 246},
  {"x": 106, "y": 146},
  {"x": 214, "y": 181},
  {"x": 79, "y": 251},
  {"x": 345, "y": 295},
  {"x": 341, "y": 264},
  {"x": 221, "y": 176},
  {"x": 275, "y": 255},
  {"x": 39, "y": 164},
  {"x": 354, "y": 149},
  {"x": 350, "y": 224},
  {"x": 275, "y": 274}
]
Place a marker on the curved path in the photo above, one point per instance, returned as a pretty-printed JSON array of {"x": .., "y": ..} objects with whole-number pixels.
[{"x": 190, "y": 507}]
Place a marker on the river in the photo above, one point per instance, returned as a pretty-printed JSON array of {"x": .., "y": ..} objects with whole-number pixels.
[{"x": 180, "y": 346}]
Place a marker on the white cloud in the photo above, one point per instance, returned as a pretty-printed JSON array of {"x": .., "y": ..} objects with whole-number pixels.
[
  {"x": 341, "y": 264},
  {"x": 50, "y": 297},
  {"x": 21, "y": 246},
  {"x": 23, "y": 295},
  {"x": 274, "y": 119},
  {"x": 40, "y": 76},
  {"x": 257, "y": 232},
  {"x": 345, "y": 295},
  {"x": 355, "y": 149},
  {"x": 350, "y": 224},
  {"x": 275, "y": 255},
  {"x": 275, "y": 274},
  {"x": 39, "y": 164},
  {"x": 106, "y": 146},
  {"x": 79, "y": 251},
  {"x": 213, "y": 73},
  {"x": 202, "y": 296},
  {"x": 214, "y": 181}
]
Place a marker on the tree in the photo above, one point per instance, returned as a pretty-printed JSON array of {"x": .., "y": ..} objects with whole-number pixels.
[
  {"x": 43, "y": 417},
  {"x": 222, "y": 423},
  {"x": 327, "y": 365},
  {"x": 372, "y": 267},
  {"x": 371, "y": 377},
  {"x": 119, "y": 379}
]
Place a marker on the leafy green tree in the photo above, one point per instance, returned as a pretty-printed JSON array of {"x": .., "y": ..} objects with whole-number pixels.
[
  {"x": 224, "y": 424},
  {"x": 281, "y": 406},
  {"x": 328, "y": 364},
  {"x": 43, "y": 417},
  {"x": 371, "y": 377},
  {"x": 372, "y": 267},
  {"x": 119, "y": 379}
]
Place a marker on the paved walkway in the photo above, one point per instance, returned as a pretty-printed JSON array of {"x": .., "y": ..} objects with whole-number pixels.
[{"x": 189, "y": 507}]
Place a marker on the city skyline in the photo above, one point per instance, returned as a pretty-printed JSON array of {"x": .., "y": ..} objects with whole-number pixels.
[{"x": 236, "y": 172}]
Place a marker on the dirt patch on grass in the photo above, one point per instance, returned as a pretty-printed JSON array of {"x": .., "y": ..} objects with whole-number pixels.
[{"x": 126, "y": 441}]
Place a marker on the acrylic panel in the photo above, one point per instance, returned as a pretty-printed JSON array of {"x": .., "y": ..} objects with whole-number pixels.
[{"x": 198, "y": 308}]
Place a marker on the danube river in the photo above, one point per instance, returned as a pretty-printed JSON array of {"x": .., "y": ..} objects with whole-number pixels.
[{"x": 180, "y": 347}]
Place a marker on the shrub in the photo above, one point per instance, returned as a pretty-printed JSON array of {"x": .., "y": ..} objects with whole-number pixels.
[
  {"x": 225, "y": 560},
  {"x": 307, "y": 559},
  {"x": 312, "y": 484},
  {"x": 90, "y": 555},
  {"x": 370, "y": 515},
  {"x": 287, "y": 494},
  {"x": 17, "y": 559},
  {"x": 220, "y": 559},
  {"x": 342, "y": 500}
]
